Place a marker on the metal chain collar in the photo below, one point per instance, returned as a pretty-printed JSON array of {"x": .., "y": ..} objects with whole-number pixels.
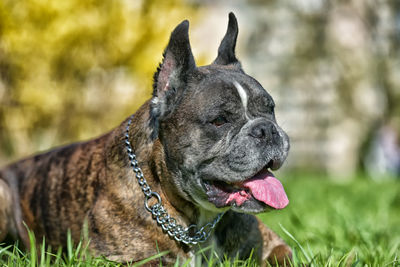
[{"x": 160, "y": 214}]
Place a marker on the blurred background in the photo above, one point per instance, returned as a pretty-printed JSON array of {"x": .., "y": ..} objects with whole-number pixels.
[{"x": 71, "y": 70}]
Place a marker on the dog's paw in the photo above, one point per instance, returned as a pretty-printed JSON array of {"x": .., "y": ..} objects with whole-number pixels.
[{"x": 280, "y": 255}]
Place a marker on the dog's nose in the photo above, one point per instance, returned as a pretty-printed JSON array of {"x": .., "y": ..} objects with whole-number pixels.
[{"x": 264, "y": 130}]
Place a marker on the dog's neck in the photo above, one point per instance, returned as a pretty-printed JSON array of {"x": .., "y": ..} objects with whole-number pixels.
[
  {"x": 151, "y": 157},
  {"x": 192, "y": 214}
]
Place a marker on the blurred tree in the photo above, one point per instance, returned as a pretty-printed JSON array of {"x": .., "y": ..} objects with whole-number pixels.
[{"x": 64, "y": 64}]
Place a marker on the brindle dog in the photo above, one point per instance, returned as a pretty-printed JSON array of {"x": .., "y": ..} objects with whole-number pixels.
[{"x": 205, "y": 143}]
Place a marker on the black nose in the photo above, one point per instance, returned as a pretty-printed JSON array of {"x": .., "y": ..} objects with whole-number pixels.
[{"x": 264, "y": 130}]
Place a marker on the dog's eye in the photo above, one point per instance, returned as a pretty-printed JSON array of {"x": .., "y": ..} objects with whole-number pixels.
[{"x": 219, "y": 121}]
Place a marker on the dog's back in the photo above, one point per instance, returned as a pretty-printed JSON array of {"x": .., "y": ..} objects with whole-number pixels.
[{"x": 46, "y": 189}]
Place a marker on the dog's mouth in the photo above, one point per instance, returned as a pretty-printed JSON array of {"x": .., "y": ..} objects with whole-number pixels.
[{"x": 262, "y": 187}]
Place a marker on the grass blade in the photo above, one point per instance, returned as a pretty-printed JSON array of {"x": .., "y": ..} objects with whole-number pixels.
[
  {"x": 308, "y": 258},
  {"x": 142, "y": 262}
]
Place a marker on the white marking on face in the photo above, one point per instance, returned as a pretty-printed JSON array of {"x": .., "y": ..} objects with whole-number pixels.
[
  {"x": 155, "y": 100},
  {"x": 243, "y": 96}
]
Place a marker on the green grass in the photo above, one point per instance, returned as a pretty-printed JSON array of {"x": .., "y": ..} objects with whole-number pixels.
[{"x": 354, "y": 223}]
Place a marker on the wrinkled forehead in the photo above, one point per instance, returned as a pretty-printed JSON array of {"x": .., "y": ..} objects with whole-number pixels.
[{"x": 232, "y": 87}]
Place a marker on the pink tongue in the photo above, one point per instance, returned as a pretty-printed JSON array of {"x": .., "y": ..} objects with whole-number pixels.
[{"x": 266, "y": 188}]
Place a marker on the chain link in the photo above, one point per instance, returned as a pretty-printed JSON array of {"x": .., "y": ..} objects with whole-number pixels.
[{"x": 159, "y": 213}]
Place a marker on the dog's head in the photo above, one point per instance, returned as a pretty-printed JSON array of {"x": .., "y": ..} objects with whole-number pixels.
[{"x": 218, "y": 129}]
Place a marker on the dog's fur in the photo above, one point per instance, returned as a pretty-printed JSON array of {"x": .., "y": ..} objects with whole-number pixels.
[{"x": 179, "y": 145}]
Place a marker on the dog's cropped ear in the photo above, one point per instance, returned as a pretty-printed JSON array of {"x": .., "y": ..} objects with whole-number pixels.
[
  {"x": 171, "y": 76},
  {"x": 226, "y": 50}
]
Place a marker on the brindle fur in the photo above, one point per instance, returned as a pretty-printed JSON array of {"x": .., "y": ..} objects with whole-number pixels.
[{"x": 91, "y": 183}]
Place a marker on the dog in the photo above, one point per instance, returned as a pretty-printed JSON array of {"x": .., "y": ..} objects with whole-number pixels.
[{"x": 187, "y": 171}]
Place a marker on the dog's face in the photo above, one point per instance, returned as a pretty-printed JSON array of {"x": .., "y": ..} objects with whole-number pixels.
[{"x": 218, "y": 129}]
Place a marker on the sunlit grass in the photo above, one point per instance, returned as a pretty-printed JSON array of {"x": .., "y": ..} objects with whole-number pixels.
[
  {"x": 354, "y": 223},
  {"x": 350, "y": 223}
]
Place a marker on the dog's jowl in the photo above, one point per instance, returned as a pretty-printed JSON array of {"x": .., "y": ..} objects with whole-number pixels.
[{"x": 186, "y": 171}]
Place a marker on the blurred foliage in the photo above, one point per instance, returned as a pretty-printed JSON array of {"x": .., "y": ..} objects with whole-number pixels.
[{"x": 65, "y": 64}]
